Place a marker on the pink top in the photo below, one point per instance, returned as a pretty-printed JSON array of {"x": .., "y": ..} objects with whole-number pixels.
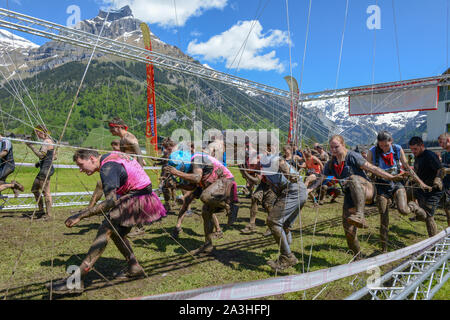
[
  {"x": 212, "y": 177},
  {"x": 137, "y": 177}
]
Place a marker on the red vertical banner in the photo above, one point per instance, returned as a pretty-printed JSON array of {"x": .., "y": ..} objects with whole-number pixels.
[
  {"x": 151, "y": 133},
  {"x": 293, "y": 88}
]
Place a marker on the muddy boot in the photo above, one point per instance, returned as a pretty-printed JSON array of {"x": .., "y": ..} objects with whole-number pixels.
[
  {"x": 48, "y": 210},
  {"x": 138, "y": 231},
  {"x": 431, "y": 226},
  {"x": 167, "y": 207},
  {"x": 234, "y": 209},
  {"x": 359, "y": 199},
  {"x": 358, "y": 221},
  {"x": 249, "y": 229},
  {"x": 206, "y": 248},
  {"x": 62, "y": 286},
  {"x": 267, "y": 233},
  {"x": 176, "y": 232},
  {"x": 132, "y": 272},
  {"x": 421, "y": 215},
  {"x": 218, "y": 234},
  {"x": 283, "y": 262}
]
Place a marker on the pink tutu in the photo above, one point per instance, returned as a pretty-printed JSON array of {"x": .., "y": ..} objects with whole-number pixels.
[{"x": 144, "y": 209}]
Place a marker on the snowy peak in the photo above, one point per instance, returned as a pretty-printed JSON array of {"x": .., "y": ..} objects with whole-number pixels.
[
  {"x": 123, "y": 12},
  {"x": 11, "y": 41},
  {"x": 334, "y": 114}
]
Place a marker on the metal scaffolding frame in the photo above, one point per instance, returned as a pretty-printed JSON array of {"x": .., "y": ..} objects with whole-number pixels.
[
  {"x": 416, "y": 279},
  {"x": 31, "y": 25},
  {"x": 60, "y": 199}
]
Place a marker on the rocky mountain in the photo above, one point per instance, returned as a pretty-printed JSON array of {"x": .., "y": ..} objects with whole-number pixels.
[
  {"x": 120, "y": 25},
  {"x": 322, "y": 118},
  {"x": 334, "y": 114}
]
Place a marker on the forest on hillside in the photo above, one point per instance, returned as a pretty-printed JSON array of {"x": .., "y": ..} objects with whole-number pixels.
[{"x": 119, "y": 89}]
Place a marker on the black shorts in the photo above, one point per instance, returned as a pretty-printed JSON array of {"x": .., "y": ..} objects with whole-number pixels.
[
  {"x": 5, "y": 170},
  {"x": 43, "y": 173},
  {"x": 428, "y": 201},
  {"x": 387, "y": 188},
  {"x": 264, "y": 195},
  {"x": 198, "y": 192},
  {"x": 446, "y": 196}
]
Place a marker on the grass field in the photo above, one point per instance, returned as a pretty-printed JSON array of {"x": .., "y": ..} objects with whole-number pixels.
[{"x": 39, "y": 251}]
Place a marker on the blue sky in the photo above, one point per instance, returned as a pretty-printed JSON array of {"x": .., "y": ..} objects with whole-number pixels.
[{"x": 214, "y": 30}]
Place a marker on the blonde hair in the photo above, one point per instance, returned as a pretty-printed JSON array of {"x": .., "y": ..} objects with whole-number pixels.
[
  {"x": 338, "y": 138},
  {"x": 42, "y": 129}
]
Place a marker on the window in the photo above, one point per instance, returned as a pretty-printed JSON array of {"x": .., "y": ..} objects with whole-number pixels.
[{"x": 447, "y": 107}]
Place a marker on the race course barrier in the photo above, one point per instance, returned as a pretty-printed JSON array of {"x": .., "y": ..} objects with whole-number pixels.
[{"x": 281, "y": 285}]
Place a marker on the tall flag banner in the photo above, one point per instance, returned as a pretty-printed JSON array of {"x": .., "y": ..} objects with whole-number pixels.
[
  {"x": 151, "y": 133},
  {"x": 293, "y": 88}
]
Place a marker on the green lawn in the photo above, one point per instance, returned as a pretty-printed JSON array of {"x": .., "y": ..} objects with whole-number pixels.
[
  {"x": 44, "y": 250},
  {"x": 49, "y": 248}
]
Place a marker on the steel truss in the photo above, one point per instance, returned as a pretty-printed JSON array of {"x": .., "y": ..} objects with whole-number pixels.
[
  {"x": 24, "y": 23},
  {"x": 416, "y": 279},
  {"x": 61, "y": 199}
]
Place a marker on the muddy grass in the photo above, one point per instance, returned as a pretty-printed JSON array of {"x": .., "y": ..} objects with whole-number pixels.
[{"x": 40, "y": 251}]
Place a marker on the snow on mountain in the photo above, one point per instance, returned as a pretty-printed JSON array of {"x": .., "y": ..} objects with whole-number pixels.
[
  {"x": 334, "y": 114},
  {"x": 11, "y": 41}
]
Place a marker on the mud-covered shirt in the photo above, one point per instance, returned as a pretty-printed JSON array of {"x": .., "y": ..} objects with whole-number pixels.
[
  {"x": 204, "y": 163},
  {"x": 446, "y": 163},
  {"x": 352, "y": 166},
  {"x": 112, "y": 174},
  {"x": 426, "y": 165},
  {"x": 5, "y": 145}
]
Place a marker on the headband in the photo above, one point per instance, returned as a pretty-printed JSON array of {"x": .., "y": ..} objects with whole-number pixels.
[
  {"x": 112, "y": 125},
  {"x": 43, "y": 131}
]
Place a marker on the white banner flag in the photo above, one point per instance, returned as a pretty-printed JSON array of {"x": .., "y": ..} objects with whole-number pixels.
[{"x": 409, "y": 99}]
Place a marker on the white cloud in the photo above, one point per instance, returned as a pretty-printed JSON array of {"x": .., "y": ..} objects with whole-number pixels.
[
  {"x": 162, "y": 12},
  {"x": 228, "y": 47}
]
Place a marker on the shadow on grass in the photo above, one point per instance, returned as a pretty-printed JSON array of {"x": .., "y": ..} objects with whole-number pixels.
[
  {"x": 403, "y": 233},
  {"x": 24, "y": 214},
  {"x": 83, "y": 229}
]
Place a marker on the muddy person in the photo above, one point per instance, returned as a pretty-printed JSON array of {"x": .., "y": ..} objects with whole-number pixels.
[
  {"x": 430, "y": 170},
  {"x": 128, "y": 144},
  {"x": 349, "y": 168},
  {"x": 290, "y": 193},
  {"x": 249, "y": 168},
  {"x": 129, "y": 201},
  {"x": 444, "y": 142},
  {"x": 46, "y": 170},
  {"x": 213, "y": 183},
  {"x": 7, "y": 166},
  {"x": 389, "y": 157},
  {"x": 263, "y": 195},
  {"x": 167, "y": 185}
]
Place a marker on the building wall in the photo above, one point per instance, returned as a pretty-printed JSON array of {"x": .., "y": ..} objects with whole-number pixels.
[{"x": 438, "y": 120}]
